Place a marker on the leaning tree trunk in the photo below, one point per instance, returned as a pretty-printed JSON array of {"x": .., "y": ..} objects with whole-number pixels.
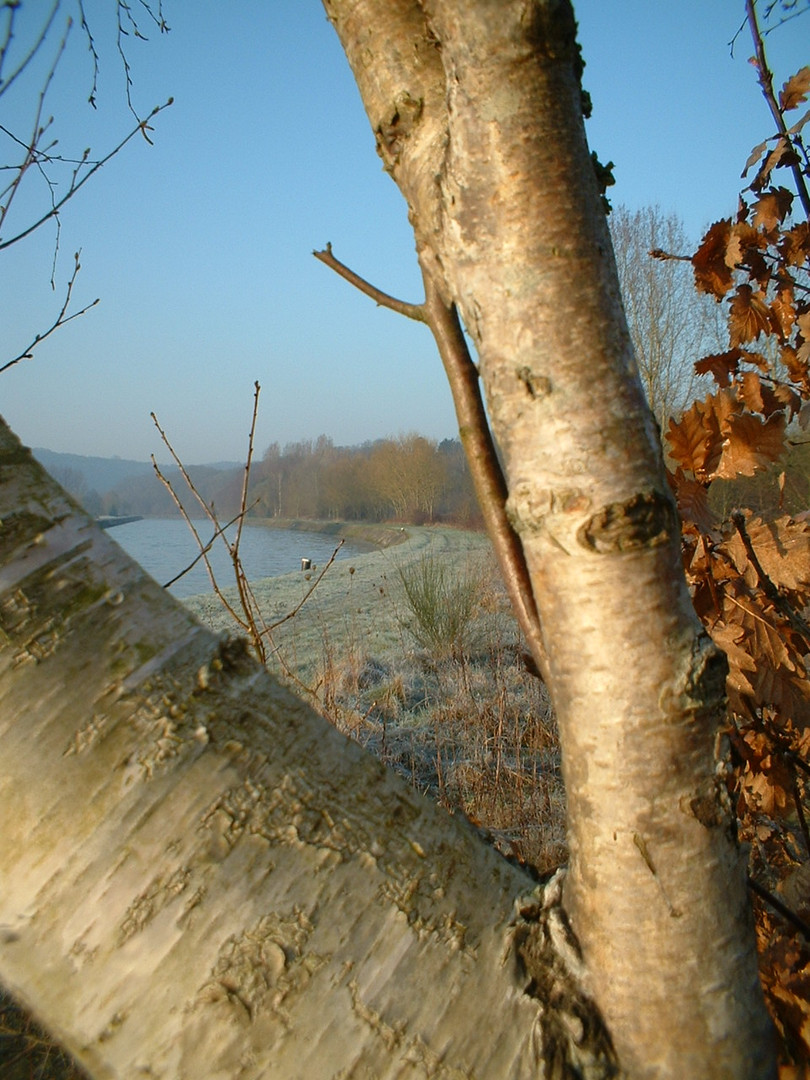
[
  {"x": 200, "y": 879},
  {"x": 477, "y": 111}
]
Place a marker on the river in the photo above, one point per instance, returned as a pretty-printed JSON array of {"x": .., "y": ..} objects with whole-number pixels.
[{"x": 164, "y": 547}]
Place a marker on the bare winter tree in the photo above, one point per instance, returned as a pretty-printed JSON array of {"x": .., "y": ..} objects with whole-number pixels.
[
  {"x": 670, "y": 323},
  {"x": 201, "y": 880}
]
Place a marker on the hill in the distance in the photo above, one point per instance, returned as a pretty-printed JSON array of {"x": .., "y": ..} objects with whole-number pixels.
[
  {"x": 103, "y": 474},
  {"x": 115, "y": 487}
]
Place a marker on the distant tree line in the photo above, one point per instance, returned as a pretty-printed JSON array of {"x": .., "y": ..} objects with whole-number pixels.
[{"x": 409, "y": 479}]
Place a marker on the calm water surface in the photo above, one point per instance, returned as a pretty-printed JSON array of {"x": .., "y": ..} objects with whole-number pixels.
[{"x": 165, "y": 547}]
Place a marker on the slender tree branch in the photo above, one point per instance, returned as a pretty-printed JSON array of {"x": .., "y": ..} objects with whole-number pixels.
[
  {"x": 76, "y": 186},
  {"x": 476, "y": 438},
  {"x": 246, "y": 596},
  {"x": 411, "y": 311},
  {"x": 485, "y": 469},
  {"x": 219, "y": 531},
  {"x": 246, "y": 479},
  {"x": 29, "y": 56},
  {"x": 203, "y": 548},
  {"x": 309, "y": 592},
  {"x": 62, "y": 319},
  {"x": 777, "y": 905},
  {"x": 765, "y": 76}
]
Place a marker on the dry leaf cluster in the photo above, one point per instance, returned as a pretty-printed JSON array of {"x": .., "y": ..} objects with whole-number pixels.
[{"x": 750, "y": 574}]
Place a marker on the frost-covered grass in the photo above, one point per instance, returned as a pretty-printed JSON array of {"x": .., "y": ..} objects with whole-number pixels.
[{"x": 413, "y": 652}]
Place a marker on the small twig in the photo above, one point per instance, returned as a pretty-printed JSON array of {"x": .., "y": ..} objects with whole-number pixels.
[
  {"x": 777, "y": 905},
  {"x": 29, "y": 56},
  {"x": 476, "y": 438},
  {"x": 62, "y": 319},
  {"x": 184, "y": 473},
  {"x": 799, "y": 762},
  {"x": 203, "y": 550},
  {"x": 220, "y": 530},
  {"x": 765, "y": 583},
  {"x": 485, "y": 469},
  {"x": 411, "y": 311},
  {"x": 142, "y": 127},
  {"x": 765, "y": 76},
  {"x": 309, "y": 592},
  {"x": 668, "y": 256}
]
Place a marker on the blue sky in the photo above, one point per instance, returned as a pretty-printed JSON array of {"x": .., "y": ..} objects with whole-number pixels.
[{"x": 200, "y": 246}]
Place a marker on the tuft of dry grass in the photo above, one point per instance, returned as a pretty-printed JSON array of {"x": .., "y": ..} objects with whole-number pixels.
[{"x": 467, "y": 725}]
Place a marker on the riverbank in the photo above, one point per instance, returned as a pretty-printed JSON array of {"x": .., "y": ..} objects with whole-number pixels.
[
  {"x": 472, "y": 729},
  {"x": 364, "y": 534},
  {"x": 357, "y": 605}
]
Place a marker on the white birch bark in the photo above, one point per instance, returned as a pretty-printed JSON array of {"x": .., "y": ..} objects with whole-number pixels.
[
  {"x": 200, "y": 879},
  {"x": 476, "y": 109}
]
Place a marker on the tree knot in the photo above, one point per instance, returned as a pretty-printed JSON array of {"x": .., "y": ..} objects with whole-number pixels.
[{"x": 646, "y": 520}]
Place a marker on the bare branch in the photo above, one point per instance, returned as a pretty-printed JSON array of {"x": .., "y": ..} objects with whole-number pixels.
[
  {"x": 11, "y": 10},
  {"x": 219, "y": 531},
  {"x": 411, "y": 311},
  {"x": 62, "y": 319},
  {"x": 206, "y": 509},
  {"x": 765, "y": 76},
  {"x": 309, "y": 592},
  {"x": 485, "y": 469},
  {"x": 76, "y": 185},
  {"x": 184, "y": 513},
  {"x": 777, "y": 905}
]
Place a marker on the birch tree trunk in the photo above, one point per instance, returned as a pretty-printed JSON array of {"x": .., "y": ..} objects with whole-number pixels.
[
  {"x": 477, "y": 113},
  {"x": 200, "y": 879}
]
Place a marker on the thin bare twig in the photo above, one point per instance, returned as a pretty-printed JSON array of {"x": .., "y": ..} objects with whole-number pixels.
[
  {"x": 782, "y": 909},
  {"x": 309, "y": 592},
  {"x": 76, "y": 186},
  {"x": 485, "y": 469},
  {"x": 251, "y": 620},
  {"x": 62, "y": 319},
  {"x": 476, "y": 438},
  {"x": 203, "y": 549},
  {"x": 383, "y": 299},
  {"x": 35, "y": 47},
  {"x": 765, "y": 76},
  {"x": 220, "y": 530}
]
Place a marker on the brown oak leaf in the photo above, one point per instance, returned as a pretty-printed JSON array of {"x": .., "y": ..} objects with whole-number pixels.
[
  {"x": 782, "y": 548},
  {"x": 693, "y": 502},
  {"x": 712, "y": 272},
  {"x": 773, "y": 207},
  {"x": 749, "y": 316},
  {"x": 795, "y": 90},
  {"x": 750, "y": 444},
  {"x": 696, "y": 441},
  {"x": 795, "y": 244},
  {"x": 721, "y": 366}
]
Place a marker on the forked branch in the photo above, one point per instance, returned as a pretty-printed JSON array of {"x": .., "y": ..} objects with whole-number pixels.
[
  {"x": 383, "y": 299},
  {"x": 476, "y": 438}
]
